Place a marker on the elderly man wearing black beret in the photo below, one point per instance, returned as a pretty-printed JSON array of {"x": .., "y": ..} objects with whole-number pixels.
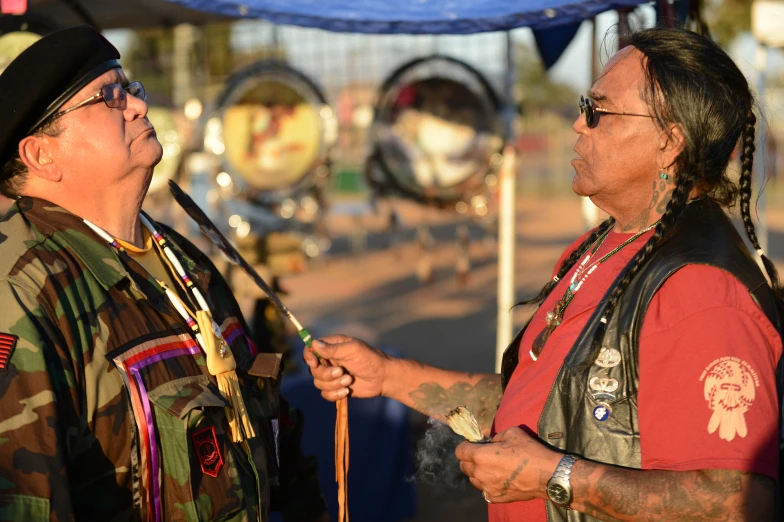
[{"x": 128, "y": 386}]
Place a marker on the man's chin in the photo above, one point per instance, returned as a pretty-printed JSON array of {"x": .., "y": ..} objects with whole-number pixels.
[
  {"x": 578, "y": 185},
  {"x": 156, "y": 154}
]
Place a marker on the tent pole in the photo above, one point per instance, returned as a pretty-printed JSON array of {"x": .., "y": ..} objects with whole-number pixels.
[
  {"x": 591, "y": 211},
  {"x": 506, "y": 214}
]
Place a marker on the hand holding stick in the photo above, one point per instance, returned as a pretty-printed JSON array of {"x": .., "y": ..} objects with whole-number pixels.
[{"x": 228, "y": 250}]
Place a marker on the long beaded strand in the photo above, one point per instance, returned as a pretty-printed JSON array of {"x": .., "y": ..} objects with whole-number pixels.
[{"x": 555, "y": 316}]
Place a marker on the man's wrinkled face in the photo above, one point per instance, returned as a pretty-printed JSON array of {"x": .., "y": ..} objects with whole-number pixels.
[
  {"x": 618, "y": 157},
  {"x": 100, "y": 147}
]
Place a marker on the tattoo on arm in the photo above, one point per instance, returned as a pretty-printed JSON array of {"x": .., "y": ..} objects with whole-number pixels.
[
  {"x": 482, "y": 398},
  {"x": 622, "y": 494}
]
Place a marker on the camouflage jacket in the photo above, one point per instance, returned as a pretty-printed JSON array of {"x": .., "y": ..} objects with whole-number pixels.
[{"x": 107, "y": 409}]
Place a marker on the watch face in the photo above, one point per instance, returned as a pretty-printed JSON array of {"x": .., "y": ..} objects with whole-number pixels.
[{"x": 558, "y": 494}]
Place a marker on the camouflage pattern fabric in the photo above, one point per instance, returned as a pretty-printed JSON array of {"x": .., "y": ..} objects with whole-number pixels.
[{"x": 108, "y": 411}]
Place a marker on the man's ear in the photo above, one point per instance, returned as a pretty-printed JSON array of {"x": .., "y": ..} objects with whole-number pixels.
[
  {"x": 671, "y": 143},
  {"x": 34, "y": 153}
]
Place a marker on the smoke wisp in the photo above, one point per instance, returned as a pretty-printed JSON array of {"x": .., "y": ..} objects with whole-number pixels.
[{"x": 435, "y": 458}]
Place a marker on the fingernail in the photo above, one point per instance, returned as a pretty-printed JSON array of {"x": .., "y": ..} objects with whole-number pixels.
[
  {"x": 318, "y": 344},
  {"x": 345, "y": 381},
  {"x": 337, "y": 372},
  {"x": 343, "y": 392}
]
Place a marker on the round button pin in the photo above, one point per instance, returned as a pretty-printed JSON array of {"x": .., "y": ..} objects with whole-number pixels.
[{"x": 602, "y": 412}]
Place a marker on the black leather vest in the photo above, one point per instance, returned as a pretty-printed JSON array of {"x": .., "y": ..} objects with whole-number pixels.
[{"x": 703, "y": 235}]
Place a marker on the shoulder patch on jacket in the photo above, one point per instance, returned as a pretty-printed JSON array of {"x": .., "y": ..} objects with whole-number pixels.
[{"x": 7, "y": 345}]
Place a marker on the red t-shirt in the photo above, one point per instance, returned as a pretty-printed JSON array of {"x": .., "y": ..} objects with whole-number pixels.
[{"x": 704, "y": 343}]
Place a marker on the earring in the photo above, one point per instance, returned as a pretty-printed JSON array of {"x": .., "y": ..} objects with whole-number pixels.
[{"x": 664, "y": 175}]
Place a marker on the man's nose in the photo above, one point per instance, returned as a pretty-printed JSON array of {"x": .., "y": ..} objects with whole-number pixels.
[
  {"x": 135, "y": 108},
  {"x": 580, "y": 126}
]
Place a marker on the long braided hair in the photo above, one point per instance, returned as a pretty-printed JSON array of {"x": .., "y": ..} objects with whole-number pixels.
[{"x": 691, "y": 83}]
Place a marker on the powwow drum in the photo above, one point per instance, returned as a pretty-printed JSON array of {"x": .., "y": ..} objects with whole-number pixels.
[
  {"x": 437, "y": 134},
  {"x": 273, "y": 132}
]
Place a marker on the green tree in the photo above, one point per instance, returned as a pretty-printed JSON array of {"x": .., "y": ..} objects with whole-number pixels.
[
  {"x": 727, "y": 18},
  {"x": 149, "y": 59},
  {"x": 535, "y": 90}
]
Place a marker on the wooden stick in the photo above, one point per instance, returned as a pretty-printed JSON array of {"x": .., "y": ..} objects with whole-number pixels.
[{"x": 341, "y": 458}]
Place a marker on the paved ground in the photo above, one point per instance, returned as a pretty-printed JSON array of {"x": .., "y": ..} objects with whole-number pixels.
[{"x": 376, "y": 295}]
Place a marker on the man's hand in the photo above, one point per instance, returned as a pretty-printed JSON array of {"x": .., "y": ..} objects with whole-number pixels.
[
  {"x": 352, "y": 366},
  {"x": 513, "y": 466}
]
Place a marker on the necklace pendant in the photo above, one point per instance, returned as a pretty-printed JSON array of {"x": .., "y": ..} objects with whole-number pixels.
[
  {"x": 552, "y": 319},
  {"x": 538, "y": 345}
]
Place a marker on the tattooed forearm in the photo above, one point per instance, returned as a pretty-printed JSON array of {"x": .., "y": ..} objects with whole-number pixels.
[
  {"x": 482, "y": 398},
  {"x": 610, "y": 493}
]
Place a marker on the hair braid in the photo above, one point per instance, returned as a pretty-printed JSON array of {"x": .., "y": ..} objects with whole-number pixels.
[
  {"x": 747, "y": 161},
  {"x": 570, "y": 261},
  {"x": 675, "y": 206}
]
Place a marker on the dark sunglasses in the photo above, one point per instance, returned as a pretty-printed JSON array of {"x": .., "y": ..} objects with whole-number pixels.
[
  {"x": 114, "y": 96},
  {"x": 591, "y": 111}
]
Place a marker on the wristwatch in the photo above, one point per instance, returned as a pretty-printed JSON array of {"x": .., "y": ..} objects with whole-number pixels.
[{"x": 559, "y": 489}]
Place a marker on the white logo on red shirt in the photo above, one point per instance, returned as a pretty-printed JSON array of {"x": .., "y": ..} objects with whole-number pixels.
[{"x": 730, "y": 391}]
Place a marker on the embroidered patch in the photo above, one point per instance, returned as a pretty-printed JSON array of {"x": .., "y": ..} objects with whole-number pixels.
[
  {"x": 208, "y": 451},
  {"x": 730, "y": 390},
  {"x": 7, "y": 345}
]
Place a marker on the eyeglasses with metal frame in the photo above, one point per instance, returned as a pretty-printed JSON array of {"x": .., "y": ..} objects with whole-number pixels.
[
  {"x": 591, "y": 111},
  {"x": 114, "y": 96}
]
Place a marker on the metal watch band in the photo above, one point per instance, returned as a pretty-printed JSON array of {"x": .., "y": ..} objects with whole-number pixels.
[{"x": 562, "y": 473}]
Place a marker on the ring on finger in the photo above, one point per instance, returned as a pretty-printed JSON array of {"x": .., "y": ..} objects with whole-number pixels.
[{"x": 484, "y": 495}]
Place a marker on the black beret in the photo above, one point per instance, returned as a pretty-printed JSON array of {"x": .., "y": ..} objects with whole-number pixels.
[{"x": 46, "y": 75}]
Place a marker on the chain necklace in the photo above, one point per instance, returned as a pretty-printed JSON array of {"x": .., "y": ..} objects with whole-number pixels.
[{"x": 555, "y": 316}]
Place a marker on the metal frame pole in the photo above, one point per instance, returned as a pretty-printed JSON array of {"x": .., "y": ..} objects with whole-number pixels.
[
  {"x": 589, "y": 210},
  {"x": 506, "y": 215}
]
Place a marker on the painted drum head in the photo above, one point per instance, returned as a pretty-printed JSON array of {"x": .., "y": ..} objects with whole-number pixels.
[
  {"x": 273, "y": 129},
  {"x": 437, "y": 131}
]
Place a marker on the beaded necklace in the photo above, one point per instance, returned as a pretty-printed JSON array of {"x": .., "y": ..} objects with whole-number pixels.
[
  {"x": 178, "y": 305},
  {"x": 220, "y": 360},
  {"x": 555, "y": 316}
]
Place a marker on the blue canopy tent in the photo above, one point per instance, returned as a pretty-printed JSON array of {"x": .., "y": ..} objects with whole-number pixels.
[
  {"x": 554, "y": 22},
  {"x": 413, "y": 17}
]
